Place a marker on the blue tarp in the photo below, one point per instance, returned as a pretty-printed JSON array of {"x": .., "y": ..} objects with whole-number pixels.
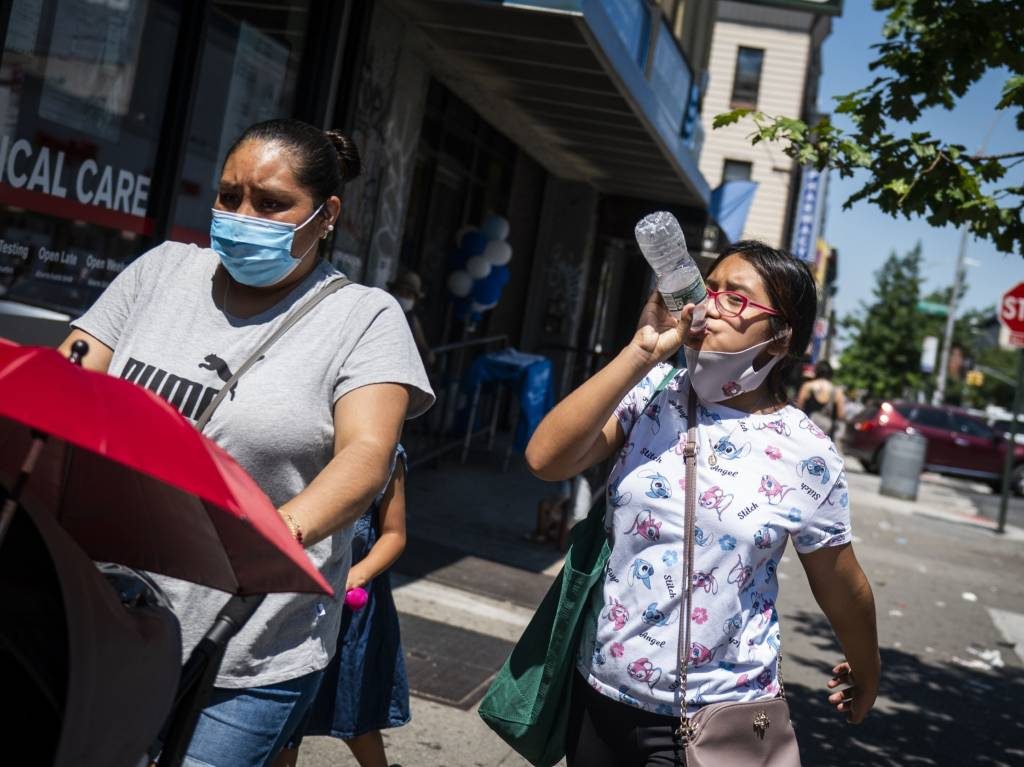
[
  {"x": 533, "y": 374},
  {"x": 730, "y": 204}
]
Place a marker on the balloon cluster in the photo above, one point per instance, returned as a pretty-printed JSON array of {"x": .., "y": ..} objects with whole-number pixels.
[{"x": 479, "y": 267}]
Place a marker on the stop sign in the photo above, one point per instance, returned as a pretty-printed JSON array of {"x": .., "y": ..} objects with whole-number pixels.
[{"x": 1011, "y": 313}]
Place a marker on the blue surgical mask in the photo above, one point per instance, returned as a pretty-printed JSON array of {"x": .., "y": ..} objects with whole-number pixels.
[{"x": 255, "y": 251}]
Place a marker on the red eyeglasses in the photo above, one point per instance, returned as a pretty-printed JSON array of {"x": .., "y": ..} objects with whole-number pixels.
[{"x": 733, "y": 304}]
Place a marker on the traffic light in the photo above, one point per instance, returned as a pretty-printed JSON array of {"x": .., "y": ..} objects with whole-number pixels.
[{"x": 975, "y": 378}]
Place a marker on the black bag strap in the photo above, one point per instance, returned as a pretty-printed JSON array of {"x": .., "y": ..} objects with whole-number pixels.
[{"x": 332, "y": 287}]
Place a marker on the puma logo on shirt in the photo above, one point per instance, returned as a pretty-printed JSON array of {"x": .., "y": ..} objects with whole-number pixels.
[
  {"x": 188, "y": 397},
  {"x": 220, "y": 367}
]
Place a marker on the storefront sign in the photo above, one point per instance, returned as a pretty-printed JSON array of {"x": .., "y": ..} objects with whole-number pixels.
[{"x": 38, "y": 169}]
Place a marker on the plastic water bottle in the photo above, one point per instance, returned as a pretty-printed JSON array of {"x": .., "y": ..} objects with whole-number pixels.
[{"x": 661, "y": 241}]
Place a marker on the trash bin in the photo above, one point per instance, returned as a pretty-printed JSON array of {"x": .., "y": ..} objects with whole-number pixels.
[{"x": 902, "y": 461}]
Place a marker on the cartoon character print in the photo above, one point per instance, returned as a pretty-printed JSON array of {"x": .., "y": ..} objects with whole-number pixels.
[
  {"x": 705, "y": 579},
  {"x": 838, "y": 531},
  {"x": 644, "y": 671},
  {"x": 653, "y": 616},
  {"x": 727, "y": 450},
  {"x": 680, "y": 448},
  {"x": 670, "y": 558},
  {"x": 660, "y": 487},
  {"x": 777, "y": 425},
  {"x": 814, "y": 466},
  {"x": 774, "y": 490},
  {"x": 764, "y": 538},
  {"x": 699, "y": 698},
  {"x": 715, "y": 499},
  {"x": 764, "y": 679},
  {"x": 732, "y": 625},
  {"x": 731, "y": 389},
  {"x": 625, "y": 697},
  {"x": 616, "y": 613},
  {"x": 701, "y": 655},
  {"x": 653, "y": 411},
  {"x": 625, "y": 452},
  {"x": 599, "y": 657},
  {"x": 628, "y": 410},
  {"x": 646, "y": 527},
  {"x": 741, "y": 575},
  {"x": 615, "y": 498},
  {"x": 775, "y": 642},
  {"x": 769, "y": 570},
  {"x": 703, "y": 538},
  {"x": 773, "y": 453},
  {"x": 807, "y": 423},
  {"x": 641, "y": 570},
  {"x": 764, "y": 607},
  {"x": 808, "y": 539}
]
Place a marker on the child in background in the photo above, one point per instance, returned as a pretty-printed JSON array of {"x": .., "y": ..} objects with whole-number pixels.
[{"x": 364, "y": 689}]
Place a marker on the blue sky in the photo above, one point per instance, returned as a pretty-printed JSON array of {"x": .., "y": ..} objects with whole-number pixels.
[{"x": 863, "y": 235}]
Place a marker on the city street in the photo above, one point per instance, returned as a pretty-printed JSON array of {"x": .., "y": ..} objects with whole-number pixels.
[{"x": 950, "y": 603}]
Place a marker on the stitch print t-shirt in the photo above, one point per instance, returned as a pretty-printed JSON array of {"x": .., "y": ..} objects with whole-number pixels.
[{"x": 761, "y": 479}]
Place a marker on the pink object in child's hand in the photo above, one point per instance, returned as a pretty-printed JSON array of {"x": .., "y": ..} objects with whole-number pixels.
[{"x": 355, "y": 599}]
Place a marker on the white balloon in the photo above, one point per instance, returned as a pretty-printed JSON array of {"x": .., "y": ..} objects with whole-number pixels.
[
  {"x": 495, "y": 227},
  {"x": 478, "y": 267},
  {"x": 498, "y": 252},
  {"x": 460, "y": 284}
]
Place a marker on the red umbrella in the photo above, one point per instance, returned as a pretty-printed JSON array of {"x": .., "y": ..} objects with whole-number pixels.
[{"x": 145, "y": 489}]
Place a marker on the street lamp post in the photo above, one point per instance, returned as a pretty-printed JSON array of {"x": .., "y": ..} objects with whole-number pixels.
[{"x": 947, "y": 341}]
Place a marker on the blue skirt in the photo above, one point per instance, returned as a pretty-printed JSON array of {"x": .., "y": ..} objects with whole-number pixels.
[{"x": 365, "y": 687}]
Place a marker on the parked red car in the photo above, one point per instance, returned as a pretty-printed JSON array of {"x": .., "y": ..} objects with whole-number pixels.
[{"x": 958, "y": 444}]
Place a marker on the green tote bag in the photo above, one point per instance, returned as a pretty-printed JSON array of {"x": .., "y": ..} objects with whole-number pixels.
[{"x": 528, "y": 702}]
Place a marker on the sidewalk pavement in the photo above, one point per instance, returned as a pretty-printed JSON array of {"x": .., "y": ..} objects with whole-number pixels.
[{"x": 950, "y": 604}]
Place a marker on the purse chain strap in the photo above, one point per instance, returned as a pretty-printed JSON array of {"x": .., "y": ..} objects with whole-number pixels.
[{"x": 686, "y": 729}]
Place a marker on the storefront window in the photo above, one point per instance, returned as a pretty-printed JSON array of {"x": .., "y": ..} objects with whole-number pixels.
[
  {"x": 249, "y": 73},
  {"x": 82, "y": 88}
]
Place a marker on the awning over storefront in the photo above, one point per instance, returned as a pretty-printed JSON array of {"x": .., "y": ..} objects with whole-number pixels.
[{"x": 594, "y": 90}]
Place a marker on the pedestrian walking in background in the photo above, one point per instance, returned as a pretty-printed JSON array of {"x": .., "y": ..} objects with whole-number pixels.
[
  {"x": 764, "y": 473},
  {"x": 823, "y": 401},
  {"x": 315, "y": 420},
  {"x": 365, "y": 689},
  {"x": 407, "y": 288}
]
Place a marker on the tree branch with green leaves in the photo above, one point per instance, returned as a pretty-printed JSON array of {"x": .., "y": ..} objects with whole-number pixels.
[{"x": 932, "y": 52}]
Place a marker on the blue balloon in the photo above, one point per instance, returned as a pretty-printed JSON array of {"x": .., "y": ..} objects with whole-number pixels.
[
  {"x": 473, "y": 243},
  {"x": 461, "y": 307},
  {"x": 487, "y": 291}
]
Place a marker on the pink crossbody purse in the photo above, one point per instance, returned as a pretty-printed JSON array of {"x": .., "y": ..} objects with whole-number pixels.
[{"x": 751, "y": 734}]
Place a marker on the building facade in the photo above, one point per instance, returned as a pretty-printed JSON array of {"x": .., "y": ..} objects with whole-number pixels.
[
  {"x": 764, "y": 56},
  {"x": 570, "y": 118}
]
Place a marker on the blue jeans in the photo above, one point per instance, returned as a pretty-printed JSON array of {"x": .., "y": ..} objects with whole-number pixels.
[{"x": 249, "y": 726}]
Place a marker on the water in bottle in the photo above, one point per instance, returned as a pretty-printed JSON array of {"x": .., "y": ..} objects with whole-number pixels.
[{"x": 661, "y": 241}]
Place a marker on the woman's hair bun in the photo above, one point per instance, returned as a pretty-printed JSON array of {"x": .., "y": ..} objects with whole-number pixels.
[{"x": 348, "y": 154}]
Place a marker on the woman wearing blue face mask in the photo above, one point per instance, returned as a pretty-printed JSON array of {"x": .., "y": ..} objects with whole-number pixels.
[
  {"x": 764, "y": 474},
  {"x": 314, "y": 420}
]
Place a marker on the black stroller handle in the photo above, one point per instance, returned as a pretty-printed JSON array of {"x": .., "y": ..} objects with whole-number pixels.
[{"x": 199, "y": 674}]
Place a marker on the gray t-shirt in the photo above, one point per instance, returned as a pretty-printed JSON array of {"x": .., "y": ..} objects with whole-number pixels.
[{"x": 167, "y": 334}]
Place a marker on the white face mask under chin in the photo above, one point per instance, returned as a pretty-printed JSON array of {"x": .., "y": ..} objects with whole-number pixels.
[{"x": 718, "y": 376}]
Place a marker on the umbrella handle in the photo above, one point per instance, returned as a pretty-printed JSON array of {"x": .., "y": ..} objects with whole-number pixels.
[
  {"x": 78, "y": 350},
  {"x": 27, "y": 466}
]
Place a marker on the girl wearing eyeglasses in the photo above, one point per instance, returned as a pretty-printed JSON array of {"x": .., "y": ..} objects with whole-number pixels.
[{"x": 765, "y": 474}]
